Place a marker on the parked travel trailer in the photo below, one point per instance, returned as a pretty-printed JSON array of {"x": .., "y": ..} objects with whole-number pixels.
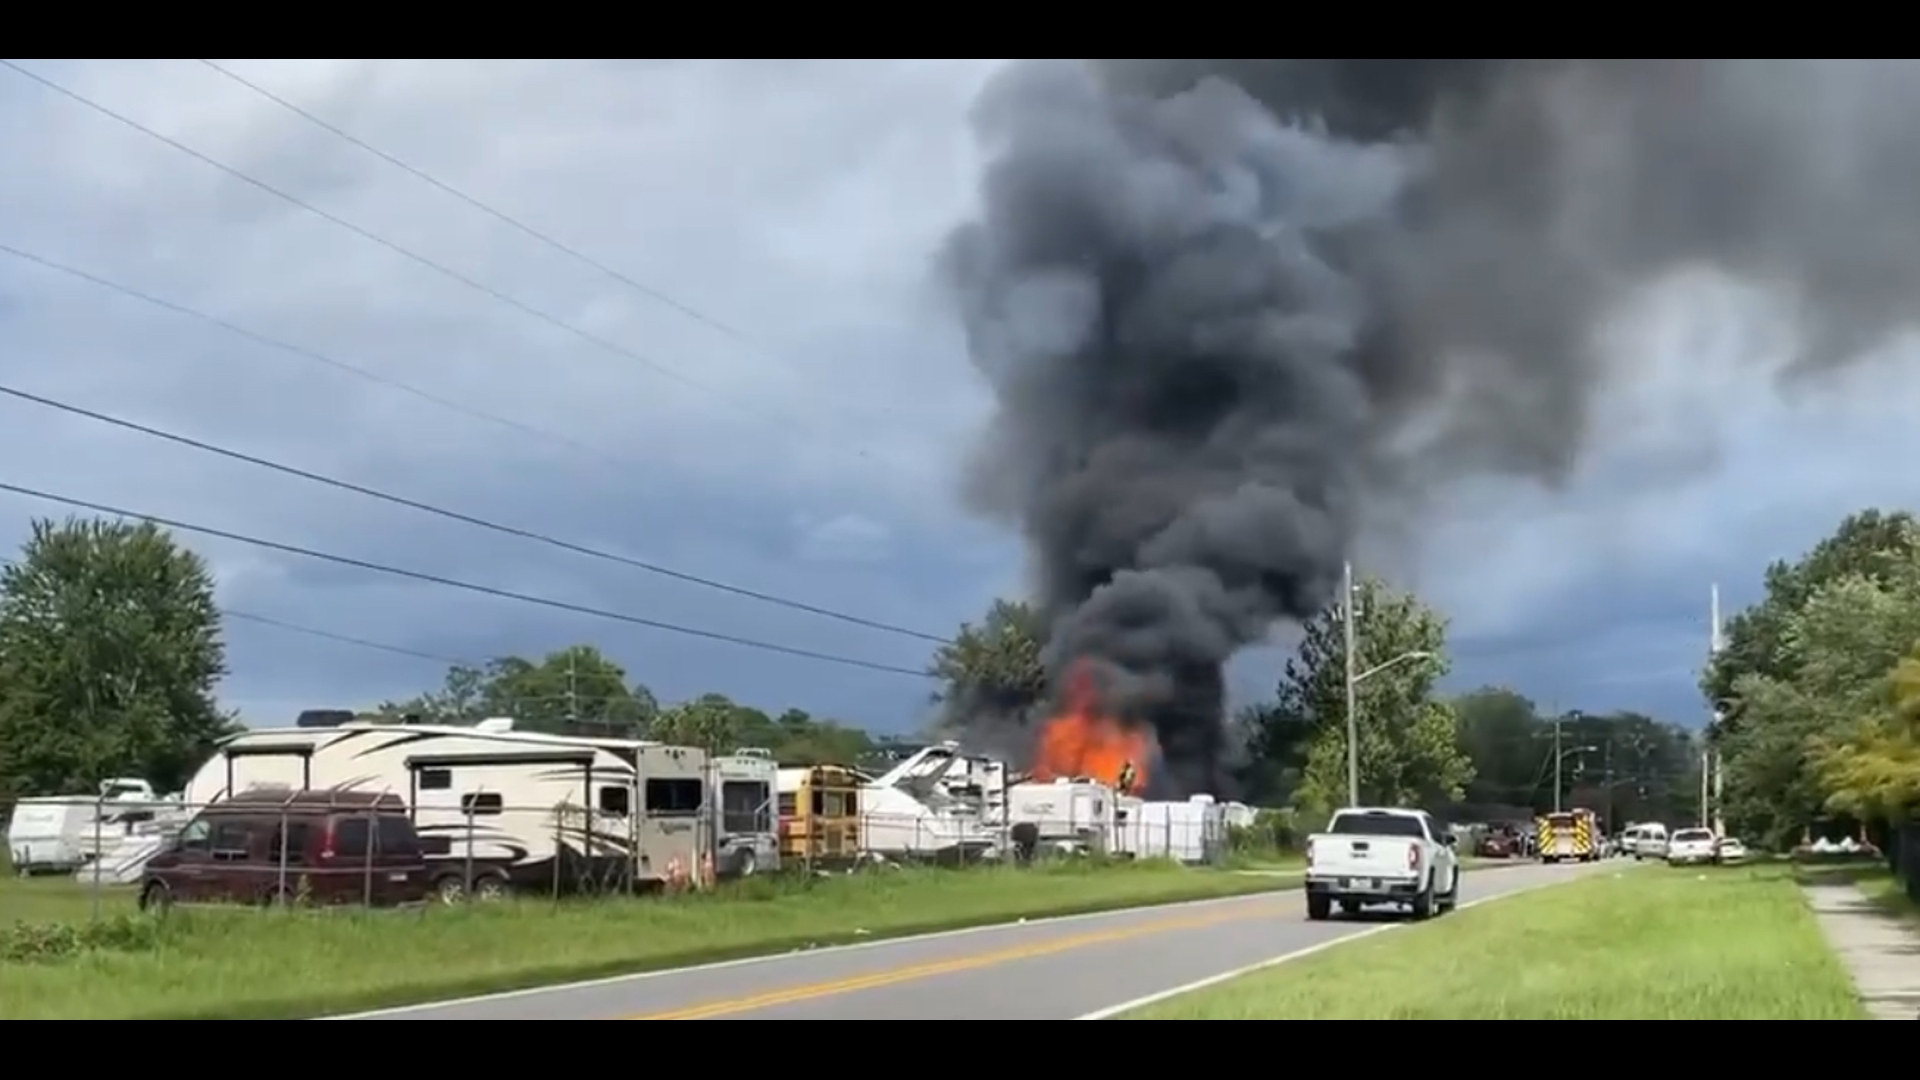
[
  {"x": 743, "y": 788},
  {"x": 57, "y": 833},
  {"x": 498, "y": 809},
  {"x": 1075, "y": 815},
  {"x": 1194, "y": 831}
]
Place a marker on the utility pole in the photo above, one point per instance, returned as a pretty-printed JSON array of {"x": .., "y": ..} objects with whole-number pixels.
[
  {"x": 1717, "y": 767},
  {"x": 573, "y": 689},
  {"x": 1347, "y": 621},
  {"x": 1557, "y": 757}
]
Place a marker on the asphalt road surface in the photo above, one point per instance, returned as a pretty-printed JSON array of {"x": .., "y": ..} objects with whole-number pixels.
[{"x": 1052, "y": 969}]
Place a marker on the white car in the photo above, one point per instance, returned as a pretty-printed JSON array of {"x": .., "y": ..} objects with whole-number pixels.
[
  {"x": 1370, "y": 855},
  {"x": 1690, "y": 846},
  {"x": 1731, "y": 851}
]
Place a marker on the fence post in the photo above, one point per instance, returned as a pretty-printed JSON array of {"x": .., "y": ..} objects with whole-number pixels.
[
  {"x": 366, "y": 877},
  {"x": 99, "y": 811},
  {"x": 559, "y": 845},
  {"x": 466, "y": 887},
  {"x": 280, "y": 891}
]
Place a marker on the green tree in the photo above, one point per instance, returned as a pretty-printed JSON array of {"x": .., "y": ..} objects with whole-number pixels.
[
  {"x": 574, "y": 690},
  {"x": 1500, "y": 732},
  {"x": 1871, "y": 543},
  {"x": 995, "y": 664},
  {"x": 711, "y": 722},
  {"x": 1409, "y": 750},
  {"x": 1837, "y": 654},
  {"x": 109, "y": 651}
]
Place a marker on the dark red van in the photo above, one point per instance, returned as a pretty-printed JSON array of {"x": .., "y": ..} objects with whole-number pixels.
[{"x": 279, "y": 846}]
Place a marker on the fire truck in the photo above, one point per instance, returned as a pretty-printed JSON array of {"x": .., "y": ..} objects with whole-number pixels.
[{"x": 1570, "y": 834}]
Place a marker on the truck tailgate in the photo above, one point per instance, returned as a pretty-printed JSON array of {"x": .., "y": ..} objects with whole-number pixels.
[{"x": 1361, "y": 856}]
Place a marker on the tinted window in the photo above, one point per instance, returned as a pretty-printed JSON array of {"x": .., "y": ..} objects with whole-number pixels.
[
  {"x": 480, "y": 803},
  {"x": 290, "y": 843},
  {"x": 1376, "y": 825},
  {"x": 1688, "y": 836},
  {"x": 396, "y": 836},
  {"x": 230, "y": 838},
  {"x": 744, "y": 807},
  {"x": 617, "y": 801},
  {"x": 350, "y": 837},
  {"x": 436, "y": 779},
  {"x": 671, "y": 797}
]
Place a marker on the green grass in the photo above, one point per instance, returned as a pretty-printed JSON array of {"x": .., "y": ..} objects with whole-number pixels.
[
  {"x": 259, "y": 965},
  {"x": 1649, "y": 944}
]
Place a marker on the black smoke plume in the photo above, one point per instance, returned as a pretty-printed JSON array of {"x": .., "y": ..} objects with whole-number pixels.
[{"x": 1227, "y": 306}]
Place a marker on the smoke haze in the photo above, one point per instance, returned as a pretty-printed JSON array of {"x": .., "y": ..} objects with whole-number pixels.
[{"x": 1228, "y": 306}]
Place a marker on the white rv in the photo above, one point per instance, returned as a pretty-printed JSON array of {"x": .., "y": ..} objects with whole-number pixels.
[
  {"x": 497, "y": 809},
  {"x": 742, "y": 790},
  {"x": 1067, "y": 814}
]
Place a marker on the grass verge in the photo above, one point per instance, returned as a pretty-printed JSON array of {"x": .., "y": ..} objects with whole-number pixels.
[
  {"x": 278, "y": 965},
  {"x": 1652, "y": 944}
]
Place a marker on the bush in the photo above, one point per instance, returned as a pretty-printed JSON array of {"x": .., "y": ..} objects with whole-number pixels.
[
  {"x": 41, "y": 943},
  {"x": 1272, "y": 834}
]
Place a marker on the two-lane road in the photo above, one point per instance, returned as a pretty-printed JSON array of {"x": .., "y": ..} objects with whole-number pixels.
[{"x": 1053, "y": 969}]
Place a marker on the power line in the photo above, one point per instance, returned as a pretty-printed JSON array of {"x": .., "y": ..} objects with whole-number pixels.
[
  {"x": 455, "y": 583},
  {"x": 344, "y": 639},
  {"x": 305, "y": 353},
  {"x": 406, "y": 253},
  {"x": 466, "y": 519},
  {"x": 497, "y": 214},
  {"x": 316, "y": 632}
]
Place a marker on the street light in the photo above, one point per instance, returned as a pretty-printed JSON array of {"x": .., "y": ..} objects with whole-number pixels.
[
  {"x": 1355, "y": 678},
  {"x": 1353, "y": 724}
]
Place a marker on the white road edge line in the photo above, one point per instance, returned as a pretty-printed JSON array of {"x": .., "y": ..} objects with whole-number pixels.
[
  {"x": 825, "y": 950},
  {"x": 769, "y": 958},
  {"x": 1112, "y": 1011}
]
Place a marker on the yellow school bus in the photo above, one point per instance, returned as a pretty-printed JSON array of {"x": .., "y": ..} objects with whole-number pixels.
[{"x": 819, "y": 815}]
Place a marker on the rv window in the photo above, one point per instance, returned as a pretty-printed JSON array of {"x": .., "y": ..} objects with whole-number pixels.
[
  {"x": 350, "y": 837},
  {"x": 673, "y": 797},
  {"x": 436, "y": 779},
  {"x": 294, "y": 833},
  {"x": 230, "y": 838},
  {"x": 481, "y": 803},
  {"x": 789, "y": 804},
  {"x": 395, "y": 836},
  {"x": 194, "y": 836},
  {"x": 743, "y": 807},
  {"x": 617, "y": 801}
]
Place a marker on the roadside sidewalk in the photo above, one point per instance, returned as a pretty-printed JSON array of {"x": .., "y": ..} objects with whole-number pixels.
[{"x": 1880, "y": 950}]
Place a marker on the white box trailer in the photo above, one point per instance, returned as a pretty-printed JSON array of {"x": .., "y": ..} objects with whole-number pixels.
[
  {"x": 51, "y": 834},
  {"x": 1193, "y": 832},
  {"x": 1073, "y": 814}
]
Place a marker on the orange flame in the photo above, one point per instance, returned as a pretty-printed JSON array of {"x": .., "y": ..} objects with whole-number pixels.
[{"x": 1081, "y": 740}]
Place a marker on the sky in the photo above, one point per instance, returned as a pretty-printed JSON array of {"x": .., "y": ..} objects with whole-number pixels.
[{"x": 682, "y": 312}]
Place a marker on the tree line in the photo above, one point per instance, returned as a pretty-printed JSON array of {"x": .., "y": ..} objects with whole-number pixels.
[{"x": 111, "y": 649}]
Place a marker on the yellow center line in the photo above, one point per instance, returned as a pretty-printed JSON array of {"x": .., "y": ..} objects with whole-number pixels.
[{"x": 890, "y": 977}]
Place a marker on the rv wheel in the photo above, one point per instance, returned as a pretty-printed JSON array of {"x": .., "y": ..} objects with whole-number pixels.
[
  {"x": 489, "y": 888},
  {"x": 450, "y": 889}
]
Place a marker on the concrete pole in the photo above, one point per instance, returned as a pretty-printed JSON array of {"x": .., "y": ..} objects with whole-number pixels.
[{"x": 1347, "y": 621}]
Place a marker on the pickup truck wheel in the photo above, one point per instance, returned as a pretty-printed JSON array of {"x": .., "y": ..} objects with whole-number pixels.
[
  {"x": 1423, "y": 904},
  {"x": 1319, "y": 906}
]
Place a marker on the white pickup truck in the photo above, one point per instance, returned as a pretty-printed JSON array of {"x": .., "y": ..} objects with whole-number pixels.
[{"x": 1371, "y": 855}]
